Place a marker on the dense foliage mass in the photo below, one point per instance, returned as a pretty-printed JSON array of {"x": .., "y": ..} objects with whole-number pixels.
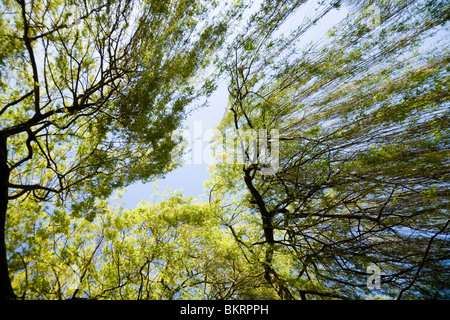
[{"x": 348, "y": 173}]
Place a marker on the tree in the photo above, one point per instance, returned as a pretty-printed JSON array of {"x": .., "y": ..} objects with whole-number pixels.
[
  {"x": 362, "y": 180},
  {"x": 175, "y": 249},
  {"x": 90, "y": 93},
  {"x": 343, "y": 145}
]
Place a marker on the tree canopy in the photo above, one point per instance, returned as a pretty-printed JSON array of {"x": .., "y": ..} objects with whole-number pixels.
[
  {"x": 331, "y": 160},
  {"x": 362, "y": 179},
  {"x": 175, "y": 249},
  {"x": 91, "y": 93}
]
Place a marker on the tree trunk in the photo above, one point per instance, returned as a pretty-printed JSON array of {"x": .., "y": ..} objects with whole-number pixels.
[
  {"x": 267, "y": 223},
  {"x": 271, "y": 276},
  {"x": 6, "y": 290}
]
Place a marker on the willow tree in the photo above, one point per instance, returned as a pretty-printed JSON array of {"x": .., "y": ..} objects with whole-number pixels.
[
  {"x": 362, "y": 176},
  {"x": 175, "y": 249},
  {"x": 90, "y": 93}
]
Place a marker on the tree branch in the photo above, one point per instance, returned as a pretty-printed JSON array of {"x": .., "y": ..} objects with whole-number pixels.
[
  {"x": 422, "y": 262},
  {"x": 29, "y": 47}
]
